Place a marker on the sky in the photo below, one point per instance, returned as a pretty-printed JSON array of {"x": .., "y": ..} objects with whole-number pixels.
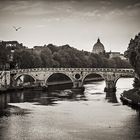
[{"x": 78, "y": 23}]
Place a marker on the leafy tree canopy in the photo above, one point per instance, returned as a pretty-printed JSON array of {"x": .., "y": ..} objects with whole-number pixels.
[{"x": 59, "y": 56}]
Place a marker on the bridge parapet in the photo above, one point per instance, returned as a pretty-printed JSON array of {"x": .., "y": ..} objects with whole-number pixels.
[{"x": 73, "y": 70}]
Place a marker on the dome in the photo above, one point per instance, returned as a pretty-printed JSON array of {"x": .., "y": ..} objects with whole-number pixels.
[{"x": 98, "y": 47}]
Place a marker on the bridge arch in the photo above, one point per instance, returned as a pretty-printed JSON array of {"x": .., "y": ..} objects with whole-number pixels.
[
  {"x": 16, "y": 77},
  {"x": 92, "y": 73},
  {"x": 24, "y": 74},
  {"x": 119, "y": 76},
  {"x": 124, "y": 83},
  {"x": 52, "y": 75}
]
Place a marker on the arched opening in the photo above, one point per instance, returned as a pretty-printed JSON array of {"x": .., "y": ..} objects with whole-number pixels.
[
  {"x": 25, "y": 80},
  {"x": 94, "y": 85},
  {"x": 122, "y": 84},
  {"x": 92, "y": 78},
  {"x": 59, "y": 81}
]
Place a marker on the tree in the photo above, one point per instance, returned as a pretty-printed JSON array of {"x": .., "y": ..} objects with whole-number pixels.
[
  {"x": 133, "y": 53},
  {"x": 24, "y": 59},
  {"x": 46, "y": 57},
  {"x": 60, "y": 56},
  {"x": 4, "y": 55}
]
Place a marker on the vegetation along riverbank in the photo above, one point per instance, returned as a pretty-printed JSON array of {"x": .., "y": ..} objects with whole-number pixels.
[{"x": 132, "y": 97}]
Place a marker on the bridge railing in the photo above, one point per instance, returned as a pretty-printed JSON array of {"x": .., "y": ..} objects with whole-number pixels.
[{"x": 73, "y": 70}]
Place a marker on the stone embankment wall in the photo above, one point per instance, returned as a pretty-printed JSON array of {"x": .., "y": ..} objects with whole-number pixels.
[{"x": 4, "y": 79}]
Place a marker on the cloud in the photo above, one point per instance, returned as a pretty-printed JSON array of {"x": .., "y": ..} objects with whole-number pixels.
[
  {"x": 105, "y": 2},
  {"x": 10, "y": 6},
  {"x": 40, "y": 26},
  {"x": 137, "y": 5}
]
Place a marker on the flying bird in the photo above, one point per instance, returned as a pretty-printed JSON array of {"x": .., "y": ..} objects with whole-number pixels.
[{"x": 16, "y": 28}]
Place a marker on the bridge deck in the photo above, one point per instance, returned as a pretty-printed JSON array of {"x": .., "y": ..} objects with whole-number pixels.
[{"x": 73, "y": 70}]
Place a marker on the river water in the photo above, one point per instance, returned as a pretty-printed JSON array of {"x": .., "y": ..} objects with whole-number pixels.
[{"x": 88, "y": 117}]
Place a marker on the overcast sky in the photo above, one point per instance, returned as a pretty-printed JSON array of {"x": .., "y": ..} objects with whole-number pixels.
[{"x": 75, "y": 22}]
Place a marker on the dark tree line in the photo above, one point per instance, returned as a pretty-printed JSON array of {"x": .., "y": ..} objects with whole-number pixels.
[
  {"x": 59, "y": 56},
  {"x": 133, "y": 53}
]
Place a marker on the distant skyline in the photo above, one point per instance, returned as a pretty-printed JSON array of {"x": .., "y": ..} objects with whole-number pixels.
[{"x": 78, "y": 23}]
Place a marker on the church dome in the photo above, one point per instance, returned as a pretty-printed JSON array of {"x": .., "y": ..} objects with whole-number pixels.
[{"x": 98, "y": 47}]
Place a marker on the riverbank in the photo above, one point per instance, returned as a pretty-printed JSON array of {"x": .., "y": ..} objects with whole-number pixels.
[{"x": 131, "y": 97}]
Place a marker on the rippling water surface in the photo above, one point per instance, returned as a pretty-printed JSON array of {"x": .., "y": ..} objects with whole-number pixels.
[{"x": 86, "y": 117}]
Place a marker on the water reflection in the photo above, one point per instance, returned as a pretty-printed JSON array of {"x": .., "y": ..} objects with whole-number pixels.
[
  {"x": 92, "y": 90},
  {"x": 45, "y": 98},
  {"x": 57, "y": 115},
  {"x": 111, "y": 97}
]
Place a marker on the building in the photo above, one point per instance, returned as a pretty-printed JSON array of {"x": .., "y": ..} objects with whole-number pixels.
[
  {"x": 116, "y": 54},
  {"x": 12, "y": 44},
  {"x": 98, "y": 48}
]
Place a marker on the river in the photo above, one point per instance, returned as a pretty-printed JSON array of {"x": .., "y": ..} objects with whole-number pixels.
[{"x": 88, "y": 117}]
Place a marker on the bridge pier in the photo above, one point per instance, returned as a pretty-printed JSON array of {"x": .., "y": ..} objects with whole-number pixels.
[
  {"x": 78, "y": 86},
  {"x": 110, "y": 86},
  {"x": 42, "y": 84},
  {"x": 12, "y": 81},
  {"x": 111, "y": 97}
]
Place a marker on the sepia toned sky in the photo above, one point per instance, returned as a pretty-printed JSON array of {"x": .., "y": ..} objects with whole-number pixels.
[{"x": 75, "y": 22}]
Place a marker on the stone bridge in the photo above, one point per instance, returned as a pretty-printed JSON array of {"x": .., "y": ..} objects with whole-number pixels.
[{"x": 77, "y": 75}]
